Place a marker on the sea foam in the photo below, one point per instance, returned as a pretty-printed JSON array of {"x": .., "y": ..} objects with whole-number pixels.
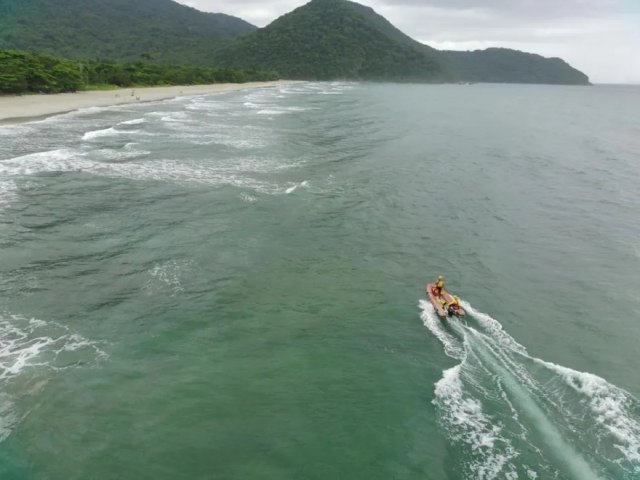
[{"x": 41, "y": 348}]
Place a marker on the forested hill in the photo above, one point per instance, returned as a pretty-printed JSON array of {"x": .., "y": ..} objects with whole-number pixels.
[
  {"x": 328, "y": 39},
  {"x": 502, "y": 65},
  {"x": 322, "y": 40},
  {"x": 161, "y": 31}
]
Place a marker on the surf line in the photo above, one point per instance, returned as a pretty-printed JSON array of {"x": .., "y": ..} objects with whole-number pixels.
[{"x": 562, "y": 451}]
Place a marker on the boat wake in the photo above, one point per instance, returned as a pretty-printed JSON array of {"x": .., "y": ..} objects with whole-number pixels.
[{"x": 511, "y": 415}]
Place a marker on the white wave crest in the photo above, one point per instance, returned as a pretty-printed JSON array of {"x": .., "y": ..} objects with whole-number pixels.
[
  {"x": 240, "y": 173},
  {"x": 296, "y": 186},
  {"x": 113, "y": 155},
  {"x": 271, "y": 111},
  {"x": 136, "y": 121},
  {"x": 46, "y": 161},
  {"x": 175, "y": 117},
  {"x": 105, "y": 132}
]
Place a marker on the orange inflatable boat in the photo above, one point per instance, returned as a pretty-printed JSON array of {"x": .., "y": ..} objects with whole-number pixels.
[{"x": 443, "y": 302}]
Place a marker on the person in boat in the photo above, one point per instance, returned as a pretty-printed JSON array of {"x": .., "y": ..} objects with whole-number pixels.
[
  {"x": 454, "y": 305},
  {"x": 443, "y": 304},
  {"x": 439, "y": 286}
]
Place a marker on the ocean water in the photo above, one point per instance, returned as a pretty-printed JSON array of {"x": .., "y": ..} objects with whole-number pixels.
[{"x": 232, "y": 286}]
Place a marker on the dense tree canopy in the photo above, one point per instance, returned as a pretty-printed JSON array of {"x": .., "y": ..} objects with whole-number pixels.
[
  {"x": 328, "y": 39},
  {"x": 22, "y": 72},
  {"x": 161, "y": 31},
  {"x": 322, "y": 40},
  {"x": 501, "y": 65}
]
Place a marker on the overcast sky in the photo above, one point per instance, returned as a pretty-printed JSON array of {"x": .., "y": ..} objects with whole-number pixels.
[{"x": 599, "y": 37}]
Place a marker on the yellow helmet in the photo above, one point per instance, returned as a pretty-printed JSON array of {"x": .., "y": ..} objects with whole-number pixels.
[
  {"x": 456, "y": 297},
  {"x": 439, "y": 277}
]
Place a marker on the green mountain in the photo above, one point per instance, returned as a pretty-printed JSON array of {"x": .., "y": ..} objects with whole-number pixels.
[
  {"x": 501, "y": 65},
  {"x": 328, "y": 39},
  {"x": 323, "y": 40},
  {"x": 124, "y": 30}
]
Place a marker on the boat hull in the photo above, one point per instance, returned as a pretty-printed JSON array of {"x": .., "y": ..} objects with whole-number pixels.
[{"x": 436, "y": 301}]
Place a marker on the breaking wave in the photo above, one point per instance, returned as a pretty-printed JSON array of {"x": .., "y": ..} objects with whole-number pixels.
[{"x": 241, "y": 172}]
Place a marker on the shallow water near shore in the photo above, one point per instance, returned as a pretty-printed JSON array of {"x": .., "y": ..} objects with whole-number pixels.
[{"x": 231, "y": 286}]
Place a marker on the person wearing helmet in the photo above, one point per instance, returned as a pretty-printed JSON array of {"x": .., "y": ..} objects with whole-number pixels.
[{"x": 439, "y": 286}]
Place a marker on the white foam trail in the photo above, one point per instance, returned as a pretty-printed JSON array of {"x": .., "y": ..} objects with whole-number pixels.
[
  {"x": 565, "y": 454},
  {"x": 461, "y": 414},
  {"x": 494, "y": 328},
  {"x": 489, "y": 354},
  {"x": 452, "y": 346},
  {"x": 468, "y": 424},
  {"x": 611, "y": 407}
]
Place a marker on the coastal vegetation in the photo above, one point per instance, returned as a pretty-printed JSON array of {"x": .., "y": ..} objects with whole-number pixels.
[
  {"x": 22, "y": 72},
  {"x": 161, "y": 31},
  {"x": 503, "y": 65},
  {"x": 322, "y": 40}
]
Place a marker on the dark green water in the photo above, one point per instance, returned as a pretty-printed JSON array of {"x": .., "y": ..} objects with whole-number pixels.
[{"x": 230, "y": 286}]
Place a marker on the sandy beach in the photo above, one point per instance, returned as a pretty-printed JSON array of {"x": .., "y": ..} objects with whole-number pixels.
[{"x": 22, "y": 107}]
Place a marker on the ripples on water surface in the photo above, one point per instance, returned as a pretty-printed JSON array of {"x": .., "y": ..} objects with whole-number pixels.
[{"x": 225, "y": 286}]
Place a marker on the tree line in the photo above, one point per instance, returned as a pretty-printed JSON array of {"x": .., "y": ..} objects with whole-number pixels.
[{"x": 22, "y": 72}]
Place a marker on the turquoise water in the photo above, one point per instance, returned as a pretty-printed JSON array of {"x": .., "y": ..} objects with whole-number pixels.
[{"x": 231, "y": 286}]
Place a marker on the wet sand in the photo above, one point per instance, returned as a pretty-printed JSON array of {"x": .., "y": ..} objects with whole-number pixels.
[{"x": 23, "y": 107}]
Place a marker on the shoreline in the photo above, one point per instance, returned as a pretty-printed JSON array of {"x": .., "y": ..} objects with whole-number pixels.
[{"x": 23, "y": 108}]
